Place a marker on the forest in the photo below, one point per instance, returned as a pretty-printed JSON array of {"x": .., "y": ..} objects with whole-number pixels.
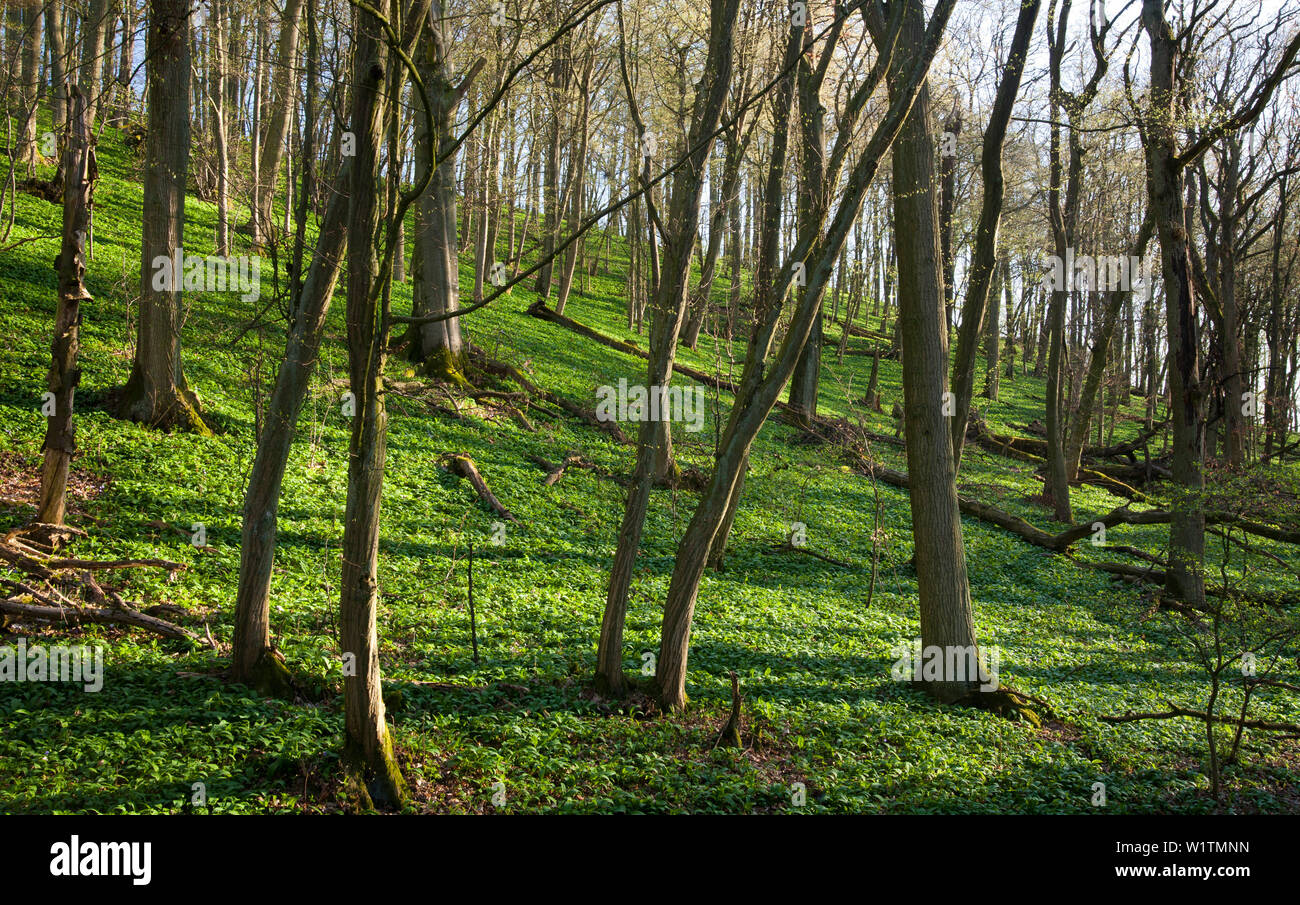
[{"x": 628, "y": 406}]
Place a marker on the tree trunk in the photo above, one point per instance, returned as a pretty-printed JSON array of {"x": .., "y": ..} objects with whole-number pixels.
[
  {"x": 1116, "y": 299},
  {"x": 156, "y": 393},
  {"x": 93, "y": 29},
  {"x": 79, "y": 173},
  {"x": 438, "y": 346},
  {"x": 282, "y": 101},
  {"x": 666, "y": 321},
  {"x": 30, "y": 22},
  {"x": 947, "y": 621},
  {"x": 252, "y": 657},
  {"x": 1165, "y": 188},
  {"x": 368, "y": 749},
  {"x": 984, "y": 255},
  {"x": 58, "y": 74}
]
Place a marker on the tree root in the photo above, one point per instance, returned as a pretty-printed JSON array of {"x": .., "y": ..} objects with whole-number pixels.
[{"x": 1006, "y": 701}]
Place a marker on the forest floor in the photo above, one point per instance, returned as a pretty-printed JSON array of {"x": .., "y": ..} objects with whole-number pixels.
[{"x": 813, "y": 658}]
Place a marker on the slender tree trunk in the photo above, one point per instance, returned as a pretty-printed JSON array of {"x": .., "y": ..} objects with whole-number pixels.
[
  {"x": 984, "y": 255},
  {"x": 252, "y": 658},
  {"x": 282, "y": 100},
  {"x": 94, "y": 27},
  {"x": 58, "y": 74},
  {"x": 1116, "y": 299},
  {"x": 947, "y": 621},
  {"x": 31, "y": 24},
  {"x": 666, "y": 321},
  {"x": 79, "y": 174}
]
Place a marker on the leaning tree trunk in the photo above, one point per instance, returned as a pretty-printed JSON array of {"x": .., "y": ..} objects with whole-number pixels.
[
  {"x": 79, "y": 174},
  {"x": 253, "y": 660},
  {"x": 156, "y": 393},
  {"x": 653, "y": 442}
]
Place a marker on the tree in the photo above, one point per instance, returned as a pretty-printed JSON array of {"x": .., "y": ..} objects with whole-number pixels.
[
  {"x": 947, "y": 621},
  {"x": 768, "y": 369},
  {"x": 984, "y": 256},
  {"x": 156, "y": 393},
  {"x": 281, "y": 106},
  {"x": 653, "y": 441},
  {"x": 79, "y": 173},
  {"x": 438, "y": 345}
]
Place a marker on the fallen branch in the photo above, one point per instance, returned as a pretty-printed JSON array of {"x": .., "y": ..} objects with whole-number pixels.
[
  {"x": 1174, "y": 712},
  {"x": 96, "y": 565},
  {"x": 789, "y": 547},
  {"x": 81, "y": 616},
  {"x": 501, "y": 369},
  {"x": 463, "y": 465}
]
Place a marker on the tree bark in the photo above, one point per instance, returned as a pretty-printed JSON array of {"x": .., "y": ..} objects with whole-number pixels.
[
  {"x": 156, "y": 393},
  {"x": 79, "y": 173},
  {"x": 653, "y": 442},
  {"x": 368, "y": 749}
]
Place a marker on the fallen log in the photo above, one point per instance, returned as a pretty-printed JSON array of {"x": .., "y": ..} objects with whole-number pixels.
[
  {"x": 99, "y": 616},
  {"x": 510, "y": 372},
  {"x": 1118, "y": 450},
  {"x": 539, "y": 310},
  {"x": 1029, "y": 449},
  {"x": 463, "y": 466},
  {"x": 555, "y": 471}
]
